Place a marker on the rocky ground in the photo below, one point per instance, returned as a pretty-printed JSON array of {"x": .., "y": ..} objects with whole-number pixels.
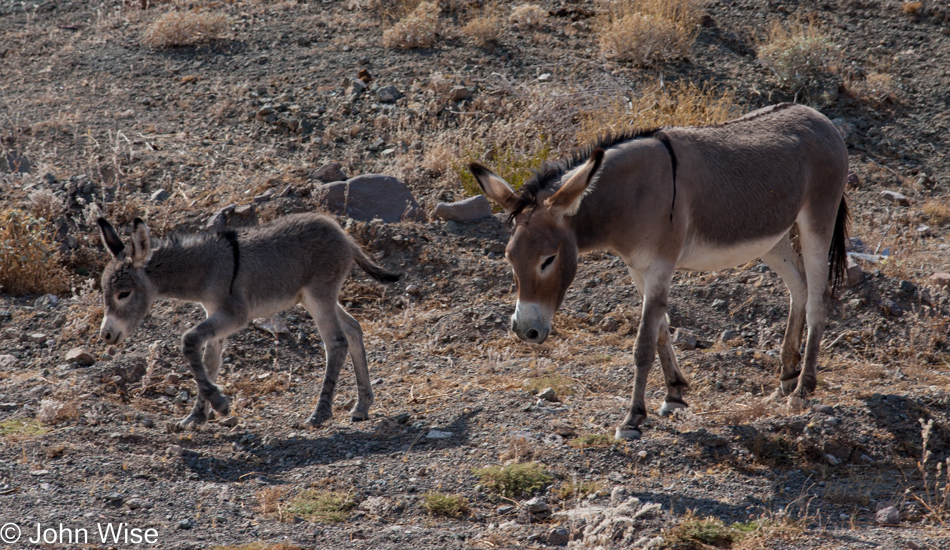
[{"x": 97, "y": 122}]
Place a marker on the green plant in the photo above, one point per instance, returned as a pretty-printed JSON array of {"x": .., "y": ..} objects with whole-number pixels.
[
  {"x": 797, "y": 53},
  {"x": 321, "y": 506},
  {"x": 515, "y": 479},
  {"x": 515, "y": 165},
  {"x": 18, "y": 428},
  {"x": 441, "y": 504},
  {"x": 698, "y": 533},
  {"x": 29, "y": 259}
]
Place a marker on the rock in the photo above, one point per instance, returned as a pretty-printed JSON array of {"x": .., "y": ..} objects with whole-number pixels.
[
  {"x": 370, "y": 196},
  {"x": 39, "y": 472},
  {"x": 5, "y": 407},
  {"x": 114, "y": 498},
  {"x": 563, "y": 429},
  {"x": 728, "y": 335},
  {"x": 137, "y": 503},
  {"x": 174, "y": 450},
  {"x": 824, "y": 409},
  {"x": 907, "y": 288},
  {"x": 548, "y": 394},
  {"x": 264, "y": 197},
  {"x": 609, "y": 324},
  {"x": 505, "y": 510},
  {"x": 546, "y": 77},
  {"x": 940, "y": 280},
  {"x": 559, "y": 537},
  {"x": 159, "y": 195},
  {"x": 459, "y": 93},
  {"x": 715, "y": 442},
  {"x": 853, "y": 180},
  {"x": 889, "y": 515},
  {"x": 853, "y": 274},
  {"x": 185, "y": 524},
  {"x": 832, "y": 459},
  {"x": 8, "y": 362},
  {"x": 377, "y": 144},
  {"x": 536, "y": 505},
  {"x": 354, "y": 87},
  {"x": 896, "y": 198},
  {"x": 470, "y": 209},
  {"x": 37, "y": 337},
  {"x": 80, "y": 356},
  {"x": 891, "y": 309},
  {"x": 388, "y": 94},
  {"x": 438, "y": 434},
  {"x": 684, "y": 339},
  {"x": 329, "y": 173},
  {"x": 720, "y": 304}
]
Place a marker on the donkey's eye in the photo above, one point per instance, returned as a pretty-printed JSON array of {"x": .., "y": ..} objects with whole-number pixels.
[
  {"x": 547, "y": 261},
  {"x": 124, "y": 294}
]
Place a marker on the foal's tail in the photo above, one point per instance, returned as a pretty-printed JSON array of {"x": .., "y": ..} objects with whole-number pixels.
[
  {"x": 371, "y": 268},
  {"x": 837, "y": 254}
]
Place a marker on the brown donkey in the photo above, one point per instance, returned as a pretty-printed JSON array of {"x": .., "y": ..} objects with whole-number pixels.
[
  {"x": 238, "y": 276},
  {"x": 696, "y": 199}
]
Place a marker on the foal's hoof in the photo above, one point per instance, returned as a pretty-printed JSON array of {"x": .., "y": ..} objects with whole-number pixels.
[
  {"x": 789, "y": 384},
  {"x": 219, "y": 403},
  {"x": 318, "y": 419},
  {"x": 195, "y": 418},
  {"x": 358, "y": 416},
  {"x": 670, "y": 406},
  {"x": 626, "y": 432}
]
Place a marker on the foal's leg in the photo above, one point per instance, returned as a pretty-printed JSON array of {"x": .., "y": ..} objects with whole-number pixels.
[
  {"x": 787, "y": 263},
  {"x": 325, "y": 313},
  {"x": 211, "y": 358},
  {"x": 675, "y": 380},
  {"x": 815, "y": 246},
  {"x": 220, "y": 324},
  {"x": 655, "y": 296},
  {"x": 354, "y": 339}
]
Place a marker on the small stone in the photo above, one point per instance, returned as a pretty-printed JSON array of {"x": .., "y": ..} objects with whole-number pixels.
[
  {"x": 244, "y": 211},
  {"x": 185, "y": 524},
  {"x": 548, "y": 394},
  {"x": 609, "y": 324},
  {"x": 545, "y": 77},
  {"x": 219, "y": 220},
  {"x": 720, "y": 304},
  {"x": 137, "y": 503},
  {"x": 896, "y": 198},
  {"x": 39, "y": 472},
  {"x": 853, "y": 180},
  {"x": 388, "y": 94},
  {"x": 377, "y": 144},
  {"x": 438, "y": 434},
  {"x": 459, "y": 93},
  {"x": 159, "y": 195},
  {"x": 505, "y": 510},
  {"x": 559, "y": 537},
  {"x": 329, "y": 173},
  {"x": 355, "y": 87},
  {"x": 536, "y": 505},
  {"x": 715, "y": 442},
  {"x": 264, "y": 197},
  {"x": 907, "y": 288},
  {"x": 728, "y": 335},
  {"x": 853, "y": 274},
  {"x": 940, "y": 280},
  {"x": 832, "y": 459},
  {"x": 80, "y": 356},
  {"x": 8, "y": 406},
  {"x": 37, "y": 338},
  {"x": 8, "y": 362},
  {"x": 891, "y": 309},
  {"x": 174, "y": 450},
  {"x": 470, "y": 209},
  {"x": 824, "y": 409},
  {"x": 684, "y": 339},
  {"x": 115, "y": 498},
  {"x": 889, "y": 515},
  {"x": 229, "y": 422}
]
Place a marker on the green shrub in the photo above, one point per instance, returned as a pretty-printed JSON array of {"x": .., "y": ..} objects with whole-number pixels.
[{"x": 515, "y": 479}]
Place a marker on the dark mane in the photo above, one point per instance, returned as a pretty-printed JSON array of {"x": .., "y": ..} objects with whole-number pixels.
[{"x": 547, "y": 176}]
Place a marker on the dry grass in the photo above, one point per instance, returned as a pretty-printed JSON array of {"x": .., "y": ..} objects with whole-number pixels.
[
  {"x": 875, "y": 89},
  {"x": 185, "y": 28},
  {"x": 934, "y": 496},
  {"x": 514, "y": 480},
  {"x": 528, "y": 16},
  {"x": 254, "y": 386},
  {"x": 575, "y": 489},
  {"x": 441, "y": 504},
  {"x": 271, "y": 501},
  {"x": 645, "y": 32},
  {"x": 54, "y": 412},
  {"x": 321, "y": 506},
  {"x": 29, "y": 259},
  {"x": 797, "y": 53},
  {"x": 937, "y": 211},
  {"x": 484, "y": 28},
  {"x": 743, "y": 414},
  {"x": 418, "y": 29},
  {"x": 681, "y": 104},
  {"x": 19, "y": 429}
]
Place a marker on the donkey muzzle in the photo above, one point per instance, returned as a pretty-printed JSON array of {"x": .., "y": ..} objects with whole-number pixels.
[
  {"x": 529, "y": 323},
  {"x": 111, "y": 331}
]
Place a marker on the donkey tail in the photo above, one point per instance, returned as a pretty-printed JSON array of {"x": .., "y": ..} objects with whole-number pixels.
[
  {"x": 371, "y": 268},
  {"x": 837, "y": 254}
]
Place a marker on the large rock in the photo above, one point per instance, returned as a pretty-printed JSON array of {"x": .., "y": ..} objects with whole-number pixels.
[
  {"x": 470, "y": 209},
  {"x": 329, "y": 173},
  {"x": 370, "y": 196},
  {"x": 684, "y": 339},
  {"x": 940, "y": 279}
]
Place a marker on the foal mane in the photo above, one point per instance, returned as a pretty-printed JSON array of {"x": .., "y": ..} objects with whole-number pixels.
[{"x": 550, "y": 172}]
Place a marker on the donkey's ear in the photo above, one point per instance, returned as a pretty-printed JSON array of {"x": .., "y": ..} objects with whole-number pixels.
[
  {"x": 111, "y": 239},
  {"x": 493, "y": 186},
  {"x": 568, "y": 198},
  {"x": 141, "y": 243}
]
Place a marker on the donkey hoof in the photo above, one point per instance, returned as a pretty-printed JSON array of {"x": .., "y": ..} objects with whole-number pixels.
[
  {"x": 219, "y": 403},
  {"x": 194, "y": 418},
  {"x": 670, "y": 406},
  {"x": 789, "y": 384},
  {"x": 319, "y": 419},
  {"x": 627, "y": 432},
  {"x": 358, "y": 417}
]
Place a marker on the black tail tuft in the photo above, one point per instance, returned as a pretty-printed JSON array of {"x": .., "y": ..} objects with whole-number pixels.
[
  {"x": 837, "y": 254},
  {"x": 374, "y": 271}
]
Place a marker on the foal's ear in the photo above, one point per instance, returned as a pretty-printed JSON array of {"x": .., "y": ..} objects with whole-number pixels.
[
  {"x": 493, "y": 186},
  {"x": 111, "y": 239},
  {"x": 568, "y": 198},
  {"x": 141, "y": 243}
]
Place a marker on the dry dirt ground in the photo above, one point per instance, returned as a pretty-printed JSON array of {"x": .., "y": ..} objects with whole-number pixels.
[{"x": 106, "y": 121}]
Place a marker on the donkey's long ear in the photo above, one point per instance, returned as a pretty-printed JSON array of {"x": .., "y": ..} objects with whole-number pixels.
[
  {"x": 141, "y": 243},
  {"x": 493, "y": 186},
  {"x": 111, "y": 239},
  {"x": 568, "y": 198}
]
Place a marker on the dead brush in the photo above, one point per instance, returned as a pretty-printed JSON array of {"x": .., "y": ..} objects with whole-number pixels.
[
  {"x": 528, "y": 16},
  {"x": 934, "y": 495},
  {"x": 184, "y": 28},
  {"x": 53, "y": 412},
  {"x": 744, "y": 414},
  {"x": 418, "y": 29},
  {"x": 44, "y": 205},
  {"x": 520, "y": 449},
  {"x": 29, "y": 258},
  {"x": 484, "y": 27},
  {"x": 645, "y": 32},
  {"x": 937, "y": 211},
  {"x": 797, "y": 53},
  {"x": 271, "y": 501},
  {"x": 656, "y": 105},
  {"x": 876, "y": 89}
]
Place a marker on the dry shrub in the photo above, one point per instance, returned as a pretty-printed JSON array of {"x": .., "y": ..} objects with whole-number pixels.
[
  {"x": 418, "y": 29},
  {"x": 937, "y": 211},
  {"x": 54, "y": 412},
  {"x": 681, "y": 104},
  {"x": 185, "y": 28},
  {"x": 743, "y": 414},
  {"x": 911, "y": 8},
  {"x": 528, "y": 16},
  {"x": 876, "y": 89},
  {"x": 271, "y": 501},
  {"x": 484, "y": 28},
  {"x": 45, "y": 205},
  {"x": 797, "y": 53},
  {"x": 647, "y": 31},
  {"x": 29, "y": 259}
]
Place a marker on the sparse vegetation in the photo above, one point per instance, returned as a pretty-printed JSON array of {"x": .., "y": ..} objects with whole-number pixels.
[
  {"x": 21, "y": 428},
  {"x": 934, "y": 495},
  {"x": 875, "y": 89},
  {"x": 700, "y": 533},
  {"x": 594, "y": 440},
  {"x": 185, "y": 28},
  {"x": 514, "y": 480},
  {"x": 797, "y": 53},
  {"x": 442, "y": 504},
  {"x": 29, "y": 259},
  {"x": 528, "y": 16},
  {"x": 484, "y": 28},
  {"x": 937, "y": 211},
  {"x": 321, "y": 506},
  {"x": 648, "y": 31},
  {"x": 53, "y": 411},
  {"x": 574, "y": 489},
  {"x": 418, "y": 29},
  {"x": 516, "y": 166}
]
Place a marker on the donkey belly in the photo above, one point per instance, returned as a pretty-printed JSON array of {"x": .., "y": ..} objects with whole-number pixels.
[{"x": 699, "y": 256}]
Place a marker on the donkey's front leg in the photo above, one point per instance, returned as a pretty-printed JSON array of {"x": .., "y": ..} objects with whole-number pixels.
[
  {"x": 654, "y": 310},
  {"x": 212, "y": 363},
  {"x": 219, "y": 325}
]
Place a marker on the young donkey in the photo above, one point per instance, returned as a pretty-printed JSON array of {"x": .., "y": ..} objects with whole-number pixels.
[
  {"x": 238, "y": 276},
  {"x": 697, "y": 199}
]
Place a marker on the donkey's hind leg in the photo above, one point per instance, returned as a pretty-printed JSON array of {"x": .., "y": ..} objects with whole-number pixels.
[
  {"x": 815, "y": 244},
  {"x": 325, "y": 312},
  {"x": 212, "y": 363},
  {"x": 787, "y": 263},
  {"x": 354, "y": 338}
]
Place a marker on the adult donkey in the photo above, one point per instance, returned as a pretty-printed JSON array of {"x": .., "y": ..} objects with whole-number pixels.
[
  {"x": 238, "y": 276},
  {"x": 696, "y": 199}
]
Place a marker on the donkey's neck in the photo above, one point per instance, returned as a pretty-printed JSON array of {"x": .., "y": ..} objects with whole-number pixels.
[
  {"x": 590, "y": 223},
  {"x": 187, "y": 269}
]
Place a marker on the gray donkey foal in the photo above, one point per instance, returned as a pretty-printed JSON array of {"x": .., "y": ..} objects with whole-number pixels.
[{"x": 238, "y": 276}]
